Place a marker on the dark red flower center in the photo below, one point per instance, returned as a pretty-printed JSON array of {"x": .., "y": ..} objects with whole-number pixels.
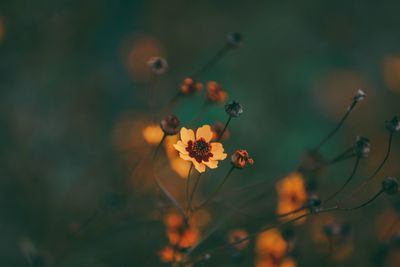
[{"x": 199, "y": 150}]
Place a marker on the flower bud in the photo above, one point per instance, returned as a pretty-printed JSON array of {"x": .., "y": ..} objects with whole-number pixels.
[
  {"x": 215, "y": 93},
  {"x": 170, "y": 125},
  {"x": 190, "y": 86},
  {"x": 359, "y": 96},
  {"x": 362, "y": 147},
  {"x": 393, "y": 125},
  {"x": 314, "y": 203},
  {"x": 234, "y": 109},
  {"x": 158, "y": 65},
  {"x": 240, "y": 158},
  {"x": 234, "y": 39},
  {"x": 390, "y": 185}
]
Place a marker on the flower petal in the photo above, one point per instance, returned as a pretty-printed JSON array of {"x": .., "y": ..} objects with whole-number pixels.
[
  {"x": 212, "y": 164},
  {"x": 204, "y": 132},
  {"x": 218, "y": 151},
  {"x": 186, "y": 135},
  {"x": 181, "y": 147},
  {"x": 200, "y": 167},
  {"x": 185, "y": 156}
]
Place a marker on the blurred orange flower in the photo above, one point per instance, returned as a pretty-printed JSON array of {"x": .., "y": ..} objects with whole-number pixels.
[
  {"x": 153, "y": 134},
  {"x": 168, "y": 254},
  {"x": 198, "y": 149},
  {"x": 271, "y": 249},
  {"x": 190, "y": 86},
  {"x": 292, "y": 195},
  {"x": 215, "y": 93},
  {"x": 271, "y": 243}
]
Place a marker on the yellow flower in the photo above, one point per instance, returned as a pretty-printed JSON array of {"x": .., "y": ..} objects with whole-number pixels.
[
  {"x": 292, "y": 195},
  {"x": 199, "y": 149}
]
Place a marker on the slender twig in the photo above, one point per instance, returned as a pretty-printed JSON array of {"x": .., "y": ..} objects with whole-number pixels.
[
  {"x": 347, "y": 181},
  {"x": 217, "y": 57},
  {"x": 196, "y": 183},
  {"x": 225, "y": 127},
  {"x": 215, "y": 192},
  {"x": 363, "y": 204},
  {"x": 340, "y": 124},
  {"x": 387, "y": 154},
  {"x": 291, "y": 212},
  {"x": 342, "y": 155},
  {"x": 166, "y": 193},
  {"x": 187, "y": 187}
]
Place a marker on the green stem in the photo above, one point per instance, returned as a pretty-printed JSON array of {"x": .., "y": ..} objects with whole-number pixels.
[
  {"x": 225, "y": 127},
  {"x": 215, "y": 192}
]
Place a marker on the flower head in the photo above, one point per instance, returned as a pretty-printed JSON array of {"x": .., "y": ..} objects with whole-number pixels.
[
  {"x": 190, "y": 86},
  {"x": 362, "y": 147},
  {"x": 158, "y": 65},
  {"x": 215, "y": 93},
  {"x": 234, "y": 39},
  {"x": 292, "y": 195},
  {"x": 390, "y": 185},
  {"x": 359, "y": 96},
  {"x": 240, "y": 158},
  {"x": 170, "y": 125},
  {"x": 393, "y": 125},
  {"x": 199, "y": 149},
  {"x": 234, "y": 109}
]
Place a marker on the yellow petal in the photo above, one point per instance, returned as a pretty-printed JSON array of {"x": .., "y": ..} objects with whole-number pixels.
[
  {"x": 200, "y": 167},
  {"x": 204, "y": 132},
  {"x": 185, "y": 156},
  {"x": 187, "y": 135},
  {"x": 180, "y": 147},
  {"x": 212, "y": 164},
  {"x": 218, "y": 151}
]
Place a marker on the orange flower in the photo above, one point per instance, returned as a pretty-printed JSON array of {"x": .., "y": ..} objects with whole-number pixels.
[
  {"x": 271, "y": 243},
  {"x": 152, "y": 134},
  {"x": 199, "y": 149},
  {"x": 168, "y": 254},
  {"x": 190, "y": 86},
  {"x": 215, "y": 93},
  {"x": 292, "y": 195},
  {"x": 240, "y": 158}
]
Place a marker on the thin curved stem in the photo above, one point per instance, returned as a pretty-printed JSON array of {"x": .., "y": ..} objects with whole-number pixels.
[
  {"x": 387, "y": 154},
  {"x": 340, "y": 124},
  {"x": 215, "y": 192},
  {"x": 291, "y": 212},
  {"x": 341, "y": 155},
  {"x": 160, "y": 186},
  {"x": 363, "y": 204},
  {"x": 249, "y": 236},
  {"x": 225, "y": 127},
  {"x": 353, "y": 172},
  {"x": 187, "y": 187},
  {"x": 217, "y": 57},
  {"x": 196, "y": 183}
]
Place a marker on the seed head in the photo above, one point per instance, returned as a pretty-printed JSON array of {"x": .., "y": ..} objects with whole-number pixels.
[
  {"x": 234, "y": 109},
  {"x": 158, "y": 65},
  {"x": 234, "y": 39},
  {"x": 390, "y": 185},
  {"x": 393, "y": 125},
  {"x": 359, "y": 96},
  {"x": 362, "y": 147},
  {"x": 170, "y": 125}
]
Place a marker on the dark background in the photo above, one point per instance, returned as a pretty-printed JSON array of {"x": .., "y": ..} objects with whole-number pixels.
[{"x": 73, "y": 72}]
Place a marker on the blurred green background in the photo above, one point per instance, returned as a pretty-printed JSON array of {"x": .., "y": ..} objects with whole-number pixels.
[{"x": 73, "y": 72}]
